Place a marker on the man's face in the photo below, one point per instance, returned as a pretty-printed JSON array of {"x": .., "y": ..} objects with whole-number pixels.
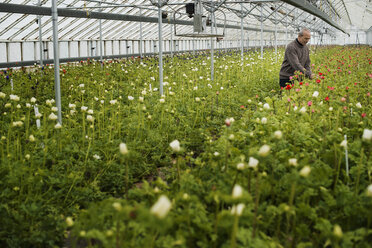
[{"x": 304, "y": 39}]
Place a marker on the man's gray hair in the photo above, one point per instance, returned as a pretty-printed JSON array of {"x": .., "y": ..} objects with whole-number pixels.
[{"x": 301, "y": 33}]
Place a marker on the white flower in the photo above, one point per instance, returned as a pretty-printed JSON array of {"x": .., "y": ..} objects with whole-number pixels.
[
  {"x": 196, "y": 88},
  {"x": 8, "y": 105},
  {"x": 123, "y": 148},
  {"x": 266, "y": 106},
  {"x": 278, "y": 134},
  {"x": 48, "y": 102},
  {"x": 18, "y": 106},
  {"x": 161, "y": 207},
  {"x": 237, "y": 191},
  {"x": 264, "y": 151},
  {"x": 252, "y": 163},
  {"x": 358, "y": 105},
  {"x": 33, "y": 99},
  {"x": 90, "y": 118},
  {"x": 197, "y": 99},
  {"x": 72, "y": 112},
  {"x": 130, "y": 98},
  {"x": 14, "y": 98},
  {"x": 343, "y": 143},
  {"x": 38, "y": 116},
  {"x": 28, "y": 105},
  {"x": 303, "y": 110},
  {"x": 97, "y": 157},
  {"x": 117, "y": 206},
  {"x": 31, "y": 138},
  {"x": 330, "y": 109},
  {"x": 90, "y": 111},
  {"x": 156, "y": 190},
  {"x": 315, "y": 94},
  {"x": 2, "y": 95},
  {"x": 237, "y": 209},
  {"x": 369, "y": 190},
  {"x": 162, "y": 100},
  {"x": 367, "y": 134},
  {"x": 58, "y": 126},
  {"x": 141, "y": 99},
  {"x": 249, "y": 101},
  {"x": 81, "y": 85},
  {"x": 113, "y": 102},
  {"x": 240, "y": 166},
  {"x": 295, "y": 108},
  {"x": 17, "y": 123},
  {"x": 292, "y": 161},
  {"x": 175, "y": 145},
  {"x": 52, "y": 117},
  {"x": 264, "y": 120},
  {"x": 144, "y": 92},
  {"x": 231, "y": 136},
  {"x": 69, "y": 221},
  {"x": 216, "y": 154},
  {"x": 54, "y": 109},
  {"x": 305, "y": 171},
  {"x": 27, "y": 156},
  {"x": 84, "y": 108},
  {"x": 337, "y": 231}
]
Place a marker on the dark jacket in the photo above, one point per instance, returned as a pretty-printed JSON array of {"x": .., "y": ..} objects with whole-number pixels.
[{"x": 296, "y": 58}]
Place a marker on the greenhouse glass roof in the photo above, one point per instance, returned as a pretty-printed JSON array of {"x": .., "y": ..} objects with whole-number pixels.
[{"x": 19, "y": 22}]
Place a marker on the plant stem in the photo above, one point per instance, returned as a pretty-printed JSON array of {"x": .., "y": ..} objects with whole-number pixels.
[{"x": 256, "y": 205}]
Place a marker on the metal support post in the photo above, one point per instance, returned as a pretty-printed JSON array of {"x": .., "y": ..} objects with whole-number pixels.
[
  {"x": 212, "y": 47},
  {"x": 141, "y": 38},
  {"x": 40, "y": 37},
  {"x": 57, "y": 84},
  {"x": 242, "y": 35},
  {"x": 276, "y": 35},
  {"x": 100, "y": 40},
  {"x": 160, "y": 49},
  {"x": 261, "y": 31},
  {"x": 171, "y": 43}
]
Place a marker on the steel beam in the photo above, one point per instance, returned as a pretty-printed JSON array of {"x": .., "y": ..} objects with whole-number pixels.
[
  {"x": 308, "y": 7},
  {"x": 62, "y": 12}
]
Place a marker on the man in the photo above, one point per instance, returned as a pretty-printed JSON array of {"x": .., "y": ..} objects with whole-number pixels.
[{"x": 296, "y": 58}]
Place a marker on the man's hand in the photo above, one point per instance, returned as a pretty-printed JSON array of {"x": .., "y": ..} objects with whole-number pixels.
[{"x": 312, "y": 76}]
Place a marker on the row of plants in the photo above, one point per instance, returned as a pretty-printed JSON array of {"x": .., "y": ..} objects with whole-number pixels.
[{"x": 233, "y": 162}]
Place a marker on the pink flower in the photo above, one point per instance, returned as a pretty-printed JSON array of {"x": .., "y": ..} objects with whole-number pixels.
[
  {"x": 343, "y": 99},
  {"x": 309, "y": 103},
  {"x": 313, "y": 110},
  {"x": 368, "y": 94},
  {"x": 307, "y": 84},
  {"x": 349, "y": 72},
  {"x": 289, "y": 99},
  {"x": 290, "y": 78},
  {"x": 297, "y": 90}
]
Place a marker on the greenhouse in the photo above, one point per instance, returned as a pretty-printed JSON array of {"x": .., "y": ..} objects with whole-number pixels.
[{"x": 190, "y": 123}]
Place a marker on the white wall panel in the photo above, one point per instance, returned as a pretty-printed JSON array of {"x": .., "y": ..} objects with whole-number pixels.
[
  {"x": 14, "y": 51},
  {"x": 108, "y": 47},
  {"x": 135, "y": 46},
  {"x": 74, "y": 49},
  {"x": 83, "y": 48},
  {"x": 115, "y": 46},
  {"x": 28, "y": 51},
  {"x": 63, "y": 50},
  {"x": 3, "y": 52}
]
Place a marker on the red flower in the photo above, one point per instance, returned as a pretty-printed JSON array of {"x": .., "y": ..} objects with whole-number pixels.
[
  {"x": 288, "y": 87},
  {"x": 347, "y": 87},
  {"x": 363, "y": 115},
  {"x": 242, "y": 107},
  {"x": 301, "y": 83},
  {"x": 320, "y": 73},
  {"x": 327, "y": 98},
  {"x": 318, "y": 81}
]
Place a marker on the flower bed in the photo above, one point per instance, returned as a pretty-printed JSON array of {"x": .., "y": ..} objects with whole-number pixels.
[{"x": 232, "y": 163}]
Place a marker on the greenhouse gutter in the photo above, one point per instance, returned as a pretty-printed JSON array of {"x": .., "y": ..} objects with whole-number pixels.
[
  {"x": 306, "y": 6},
  {"x": 45, "y": 11}
]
